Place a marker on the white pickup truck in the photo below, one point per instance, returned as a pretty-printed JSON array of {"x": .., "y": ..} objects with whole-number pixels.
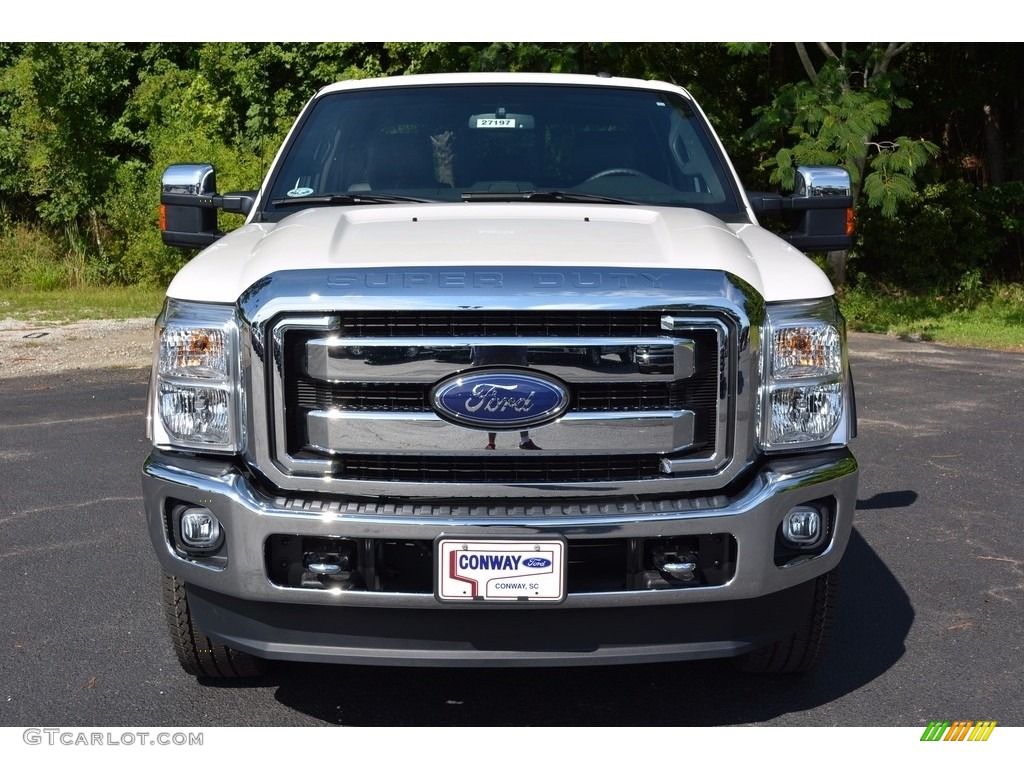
[{"x": 501, "y": 369}]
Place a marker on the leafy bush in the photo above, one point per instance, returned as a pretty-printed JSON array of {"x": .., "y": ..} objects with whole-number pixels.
[
  {"x": 31, "y": 258},
  {"x": 1004, "y": 209},
  {"x": 950, "y": 236},
  {"x": 185, "y": 121}
]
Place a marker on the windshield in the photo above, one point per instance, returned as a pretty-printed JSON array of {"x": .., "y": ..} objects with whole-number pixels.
[{"x": 492, "y": 143}]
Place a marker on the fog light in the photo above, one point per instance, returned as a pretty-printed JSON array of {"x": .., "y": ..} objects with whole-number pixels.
[
  {"x": 200, "y": 529},
  {"x": 802, "y": 526}
]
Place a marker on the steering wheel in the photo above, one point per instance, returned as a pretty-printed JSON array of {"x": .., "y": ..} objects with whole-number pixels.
[{"x": 615, "y": 172}]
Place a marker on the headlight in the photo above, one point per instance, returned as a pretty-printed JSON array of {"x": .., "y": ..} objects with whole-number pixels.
[
  {"x": 194, "y": 400},
  {"x": 804, "y": 395}
]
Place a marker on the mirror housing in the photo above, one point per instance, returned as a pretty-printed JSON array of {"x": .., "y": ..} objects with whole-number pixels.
[
  {"x": 819, "y": 213},
  {"x": 189, "y": 203}
]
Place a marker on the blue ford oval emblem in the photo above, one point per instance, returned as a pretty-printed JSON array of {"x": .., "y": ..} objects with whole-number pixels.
[
  {"x": 496, "y": 398},
  {"x": 537, "y": 562}
]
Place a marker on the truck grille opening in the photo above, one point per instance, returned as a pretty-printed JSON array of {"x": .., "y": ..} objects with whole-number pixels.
[
  {"x": 529, "y": 468},
  {"x": 353, "y": 395},
  {"x": 408, "y": 565}
]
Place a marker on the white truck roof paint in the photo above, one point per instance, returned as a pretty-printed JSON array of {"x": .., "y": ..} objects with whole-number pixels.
[{"x": 479, "y": 78}]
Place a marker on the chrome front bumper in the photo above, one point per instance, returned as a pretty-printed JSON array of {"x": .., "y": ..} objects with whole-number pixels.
[{"x": 249, "y": 517}]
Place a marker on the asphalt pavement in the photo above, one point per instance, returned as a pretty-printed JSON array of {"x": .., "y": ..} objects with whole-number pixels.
[{"x": 931, "y": 623}]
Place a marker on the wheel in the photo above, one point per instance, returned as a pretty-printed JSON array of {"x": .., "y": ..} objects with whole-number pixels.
[
  {"x": 615, "y": 172},
  {"x": 805, "y": 648},
  {"x": 198, "y": 654}
]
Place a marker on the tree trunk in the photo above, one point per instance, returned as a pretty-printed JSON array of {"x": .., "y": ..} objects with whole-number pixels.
[
  {"x": 995, "y": 149},
  {"x": 835, "y": 261}
]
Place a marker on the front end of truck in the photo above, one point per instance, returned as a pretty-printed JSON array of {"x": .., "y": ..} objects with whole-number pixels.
[{"x": 549, "y": 429}]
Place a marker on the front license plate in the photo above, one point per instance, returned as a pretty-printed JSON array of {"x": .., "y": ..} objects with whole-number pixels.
[{"x": 501, "y": 570}]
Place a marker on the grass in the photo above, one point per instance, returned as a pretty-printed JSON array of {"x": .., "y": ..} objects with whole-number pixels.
[
  {"x": 88, "y": 303},
  {"x": 986, "y": 317}
]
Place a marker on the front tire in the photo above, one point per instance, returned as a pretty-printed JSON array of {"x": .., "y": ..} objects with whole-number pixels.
[
  {"x": 198, "y": 654},
  {"x": 805, "y": 648}
]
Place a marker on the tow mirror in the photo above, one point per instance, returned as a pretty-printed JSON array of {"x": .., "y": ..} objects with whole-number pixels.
[
  {"x": 819, "y": 213},
  {"x": 189, "y": 203}
]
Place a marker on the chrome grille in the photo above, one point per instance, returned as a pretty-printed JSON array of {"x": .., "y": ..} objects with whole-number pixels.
[
  {"x": 357, "y": 407},
  {"x": 660, "y": 367}
]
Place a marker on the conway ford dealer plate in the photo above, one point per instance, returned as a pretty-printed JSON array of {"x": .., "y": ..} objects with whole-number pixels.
[{"x": 501, "y": 570}]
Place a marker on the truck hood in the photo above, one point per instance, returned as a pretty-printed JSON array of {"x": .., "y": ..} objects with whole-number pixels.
[{"x": 499, "y": 234}]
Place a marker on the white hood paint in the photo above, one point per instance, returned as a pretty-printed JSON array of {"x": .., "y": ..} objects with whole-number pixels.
[{"x": 499, "y": 234}]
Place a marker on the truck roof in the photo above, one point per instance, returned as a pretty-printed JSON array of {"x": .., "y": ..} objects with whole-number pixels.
[{"x": 477, "y": 78}]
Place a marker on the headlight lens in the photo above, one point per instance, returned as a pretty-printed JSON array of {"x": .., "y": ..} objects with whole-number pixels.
[
  {"x": 804, "y": 392},
  {"x": 194, "y": 398},
  {"x": 194, "y": 352},
  {"x": 805, "y": 351}
]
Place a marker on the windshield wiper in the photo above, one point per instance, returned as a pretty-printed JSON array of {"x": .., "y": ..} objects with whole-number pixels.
[
  {"x": 543, "y": 196},
  {"x": 351, "y": 198}
]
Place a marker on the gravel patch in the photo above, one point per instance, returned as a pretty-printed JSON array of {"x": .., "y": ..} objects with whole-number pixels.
[{"x": 37, "y": 348}]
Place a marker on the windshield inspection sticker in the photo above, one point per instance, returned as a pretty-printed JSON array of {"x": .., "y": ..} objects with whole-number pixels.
[
  {"x": 501, "y": 570},
  {"x": 495, "y": 122},
  {"x": 298, "y": 191}
]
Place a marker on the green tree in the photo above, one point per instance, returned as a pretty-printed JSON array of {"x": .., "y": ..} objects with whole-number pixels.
[
  {"x": 835, "y": 117},
  {"x": 87, "y": 128},
  {"x": 58, "y": 150}
]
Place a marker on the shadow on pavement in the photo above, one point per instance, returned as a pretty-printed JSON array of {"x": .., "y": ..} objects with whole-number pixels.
[
  {"x": 888, "y": 500},
  {"x": 874, "y": 619}
]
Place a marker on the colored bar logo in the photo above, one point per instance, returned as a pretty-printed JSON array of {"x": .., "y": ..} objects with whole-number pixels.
[{"x": 958, "y": 730}]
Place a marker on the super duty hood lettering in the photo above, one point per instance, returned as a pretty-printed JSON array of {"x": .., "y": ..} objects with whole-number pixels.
[{"x": 574, "y": 279}]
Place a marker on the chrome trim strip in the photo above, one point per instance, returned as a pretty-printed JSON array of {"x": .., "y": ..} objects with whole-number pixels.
[
  {"x": 278, "y": 427},
  {"x": 338, "y": 359},
  {"x": 336, "y": 432}
]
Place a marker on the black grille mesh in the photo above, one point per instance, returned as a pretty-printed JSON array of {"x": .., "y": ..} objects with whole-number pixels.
[
  {"x": 498, "y": 468},
  {"x": 464, "y": 324}
]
